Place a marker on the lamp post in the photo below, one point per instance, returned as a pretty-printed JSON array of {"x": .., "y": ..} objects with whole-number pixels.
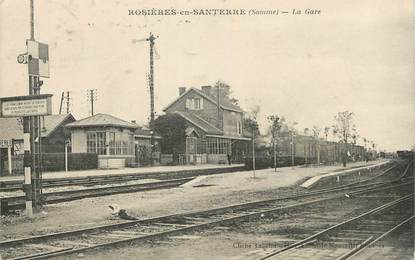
[
  {"x": 292, "y": 148},
  {"x": 253, "y": 153},
  {"x": 275, "y": 154},
  {"x": 67, "y": 143}
]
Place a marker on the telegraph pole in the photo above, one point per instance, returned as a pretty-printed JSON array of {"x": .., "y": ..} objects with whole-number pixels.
[
  {"x": 67, "y": 102},
  {"x": 151, "y": 40},
  {"x": 67, "y": 98},
  {"x": 60, "y": 107},
  {"x": 151, "y": 85},
  {"x": 92, "y": 96}
]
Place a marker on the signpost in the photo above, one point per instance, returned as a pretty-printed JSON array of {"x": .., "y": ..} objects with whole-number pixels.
[
  {"x": 28, "y": 107},
  {"x": 31, "y": 108}
]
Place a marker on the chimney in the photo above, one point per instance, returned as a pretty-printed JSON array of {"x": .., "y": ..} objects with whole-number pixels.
[
  {"x": 207, "y": 89},
  {"x": 182, "y": 90}
]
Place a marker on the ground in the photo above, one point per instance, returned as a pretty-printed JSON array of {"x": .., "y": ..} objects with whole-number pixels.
[{"x": 213, "y": 191}]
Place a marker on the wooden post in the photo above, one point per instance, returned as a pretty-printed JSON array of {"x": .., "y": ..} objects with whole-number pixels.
[
  {"x": 253, "y": 152},
  {"x": 275, "y": 156},
  {"x": 292, "y": 149},
  {"x": 27, "y": 167},
  {"x": 9, "y": 156},
  {"x": 66, "y": 156}
]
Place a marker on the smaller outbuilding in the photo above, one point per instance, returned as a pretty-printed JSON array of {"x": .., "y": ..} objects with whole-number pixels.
[
  {"x": 118, "y": 143},
  {"x": 111, "y": 138}
]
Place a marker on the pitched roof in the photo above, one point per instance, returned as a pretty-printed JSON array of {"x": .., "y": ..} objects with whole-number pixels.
[
  {"x": 12, "y": 128},
  {"x": 225, "y": 103},
  {"x": 200, "y": 123},
  {"x": 52, "y": 122},
  {"x": 102, "y": 120}
]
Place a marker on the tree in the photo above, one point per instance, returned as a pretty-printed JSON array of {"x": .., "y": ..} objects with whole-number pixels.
[
  {"x": 326, "y": 132},
  {"x": 293, "y": 131},
  {"x": 171, "y": 127},
  {"x": 275, "y": 128},
  {"x": 316, "y": 136},
  {"x": 306, "y": 133},
  {"x": 354, "y": 142},
  {"x": 251, "y": 123},
  {"x": 344, "y": 129}
]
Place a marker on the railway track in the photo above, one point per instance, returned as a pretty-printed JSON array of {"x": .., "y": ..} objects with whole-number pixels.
[
  {"x": 18, "y": 202},
  {"x": 351, "y": 237},
  {"x": 16, "y": 185},
  {"x": 81, "y": 240}
]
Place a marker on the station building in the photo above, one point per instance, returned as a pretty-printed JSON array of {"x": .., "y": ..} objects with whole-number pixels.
[
  {"x": 118, "y": 143},
  {"x": 213, "y": 126}
]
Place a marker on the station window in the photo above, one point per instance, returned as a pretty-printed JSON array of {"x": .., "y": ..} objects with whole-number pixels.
[
  {"x": 95, "y": 142},
  {"x": 119, "y": 143},
  {"x": 194, "y": 103},
  {"x": 218, "y": 146},
  {"x": 191, "y": 145}
]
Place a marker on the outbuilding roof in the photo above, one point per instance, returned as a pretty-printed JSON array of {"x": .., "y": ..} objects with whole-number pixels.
[
  {"x": 12, "y": 128},
  {"x": 52, "y": 122},
  {"x": 102, "y": 120}
]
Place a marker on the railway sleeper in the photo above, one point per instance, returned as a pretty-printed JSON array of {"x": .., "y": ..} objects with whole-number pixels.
[
  {"x": 352, "y": 240},
  {"x": 370, "y": 226},
  {"x": 152, "y": 228},
  {"x": 112, "y": 236},
  {"x": 389, "y": 223},
  {"x": 43, "y": 247},
  {"x": 168, "y": 224},
  {"x": 355, "y": 234},
  {"x": 75, "y": 243}
]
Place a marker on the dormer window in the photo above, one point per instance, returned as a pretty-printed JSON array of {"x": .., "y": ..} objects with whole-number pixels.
[
  {"x": 239, "y": 127},
  {"x": 194, "y": 103}
]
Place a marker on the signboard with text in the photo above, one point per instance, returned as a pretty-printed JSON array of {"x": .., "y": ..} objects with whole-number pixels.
[
  {"x": 4, "y": 143},
  {"x": 36, "y": 105}
]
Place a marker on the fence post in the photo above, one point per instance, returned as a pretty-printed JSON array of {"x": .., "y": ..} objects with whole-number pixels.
[
  {"x": 67, "y": 143},
  {"x": 9, "y": 157}
]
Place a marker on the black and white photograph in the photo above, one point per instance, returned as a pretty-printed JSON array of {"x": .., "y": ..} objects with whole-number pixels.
[{"x": 222, "y": 129}]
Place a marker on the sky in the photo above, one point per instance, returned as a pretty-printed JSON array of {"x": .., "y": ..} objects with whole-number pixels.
[{"x": 355, "y": 55}]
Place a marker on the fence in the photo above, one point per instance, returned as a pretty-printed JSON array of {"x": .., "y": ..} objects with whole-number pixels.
[
  {"x": 267, "y": 162},
  {"x": 56, "y": 162}
]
